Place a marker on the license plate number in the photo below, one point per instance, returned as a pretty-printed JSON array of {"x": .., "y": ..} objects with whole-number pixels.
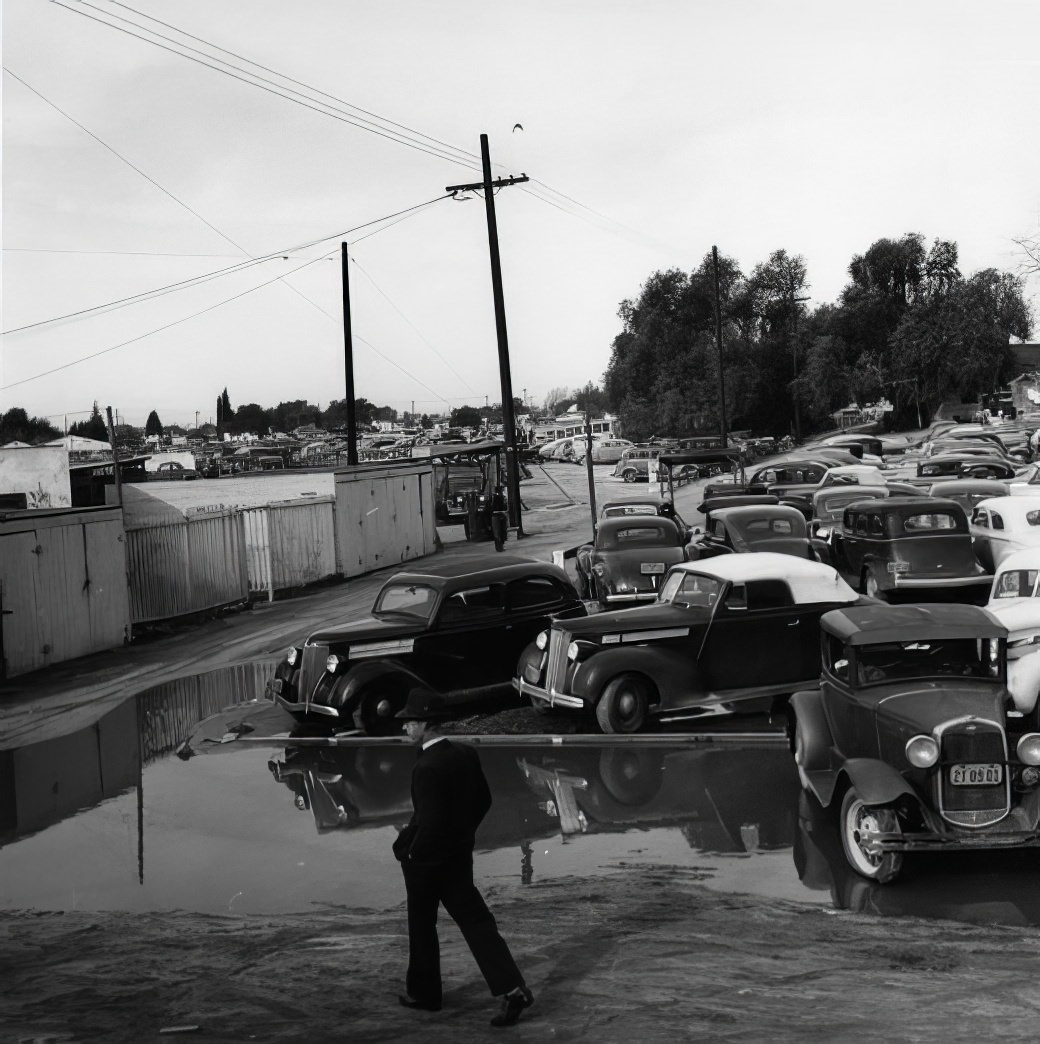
[
  {"x": 976, "y": 775},
  {"x": 652, "y": 567}
]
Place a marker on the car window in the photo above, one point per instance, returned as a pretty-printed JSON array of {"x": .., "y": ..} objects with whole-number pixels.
[
  {"x": 876, "y": 526},
  {"x": 998, "y": 522},
  {"x": 936, "y": 657},
  {"x": 837, "y": 658},
  {"x": 861, "y": 523},
  {"x": 768, "y": 594},
  {"x": 981, "y": 518},
  {"x": 774, "y": 526},
  {"x": 718, "y": 531},
  {"x": 737, "y": 597},
  {"x": 534, "y": 592},
  {"x": 691, "y": 589},
  {"x": 407, "y": 599},
  {"x": 931, "y": 522},
  {"x": 643, "y": 536},
  {"x": 1015, "y": 583},
  {"x": 472, "y": 604}
]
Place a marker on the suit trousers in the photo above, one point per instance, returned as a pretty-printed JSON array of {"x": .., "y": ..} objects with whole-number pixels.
[{"x": 452, "y": 885}]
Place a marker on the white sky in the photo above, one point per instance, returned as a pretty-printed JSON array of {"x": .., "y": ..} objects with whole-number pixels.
[{"x": 817, "y": 127}]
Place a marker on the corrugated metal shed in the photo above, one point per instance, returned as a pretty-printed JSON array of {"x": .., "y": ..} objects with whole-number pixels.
[
  {"x": 290, "y": 545},
  {"x": 384, "y": 515},
  {"x": 63, "y": 586}
]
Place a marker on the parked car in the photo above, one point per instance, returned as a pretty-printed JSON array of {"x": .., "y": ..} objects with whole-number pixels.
[
  {"x": 1002, "y": 525},
  {"x": 965, "y": 465},
  {"x": 756, "y": 527},
  {"x": 788, "y": 472},
  {"x": 453, "y": 484},
  {"x": 733, "y": 633},
  {"x": 648, "y": 506},
  {"x": 911, "y": 734},
  {"x": 634, "y": 463},
  {"x": 800, "y": 495},
  {"x": 916, "y": 546},
  {"x": 829, "y": 503},
  {"x": 628, "y": 559},
  {"x": 968, "y": 492},
  {"x": 604, "y": 451},
  {"x": 451, "y": 631},
  {"x": 1016, "y": 579}
]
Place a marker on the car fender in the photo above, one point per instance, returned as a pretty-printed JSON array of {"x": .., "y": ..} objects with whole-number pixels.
[
  {"x": 876, "y": 782},
  {"x": 359, "y": 678},
  {"x": 666, "y": 669}
]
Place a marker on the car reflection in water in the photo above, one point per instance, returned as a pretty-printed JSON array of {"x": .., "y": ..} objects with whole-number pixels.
[
  {"x": 985, "y": 887},
  {"x": 724, "y": 799}
]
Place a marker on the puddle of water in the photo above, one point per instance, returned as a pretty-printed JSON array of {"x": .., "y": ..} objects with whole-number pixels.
[{"x": 106, "y": 818}]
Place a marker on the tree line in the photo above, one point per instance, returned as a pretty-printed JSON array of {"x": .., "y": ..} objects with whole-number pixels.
[{"x": 908, "y": 327}]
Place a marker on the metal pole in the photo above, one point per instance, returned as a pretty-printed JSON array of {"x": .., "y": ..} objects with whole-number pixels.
[
  {"x": 588, "y": 468},
  {"x": 718, "y": 342},
  {"x": 508, "y": 414},
  {"x": 348, "y": 356},
  {"x": 115, "y": 457}
]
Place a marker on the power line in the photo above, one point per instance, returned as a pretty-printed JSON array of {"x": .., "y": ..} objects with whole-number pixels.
[
  {"x": 122, "y": 253},
  {"x": 158, "y": 329},
  {"x": 206, "y": 277}
]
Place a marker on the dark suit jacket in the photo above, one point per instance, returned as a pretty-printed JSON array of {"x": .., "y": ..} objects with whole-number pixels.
[{"x": 450, "y": 797}]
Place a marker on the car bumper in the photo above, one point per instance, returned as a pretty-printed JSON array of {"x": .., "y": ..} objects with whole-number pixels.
[
  {"x": 910, "y": 583},
  {"x": 295, "y": 707},
  {"x": 546, "y": 698},
  {"x": 633, "y": 596}
]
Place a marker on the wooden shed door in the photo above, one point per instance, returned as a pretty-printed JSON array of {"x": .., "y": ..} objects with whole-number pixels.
[{"x": 21, "y": 649}]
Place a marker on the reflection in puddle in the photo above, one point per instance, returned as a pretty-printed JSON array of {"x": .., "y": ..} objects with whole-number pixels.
[{"x": 104, "y": 818}]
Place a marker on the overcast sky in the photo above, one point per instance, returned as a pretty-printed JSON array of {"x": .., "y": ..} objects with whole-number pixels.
[{"x": 651, "y": 129}]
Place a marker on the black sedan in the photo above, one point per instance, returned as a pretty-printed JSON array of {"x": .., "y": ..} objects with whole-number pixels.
[{"x": 452, "y": 631}]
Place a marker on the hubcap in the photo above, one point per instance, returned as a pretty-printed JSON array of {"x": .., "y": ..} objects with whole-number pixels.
[
  {"x": 383, "y": 708},
  {"x": 627, "y": 705}
]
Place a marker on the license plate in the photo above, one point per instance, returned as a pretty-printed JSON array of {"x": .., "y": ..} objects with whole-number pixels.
[
  {"x": 976, "y": 775},
  {"x": 652, "y": 567}
]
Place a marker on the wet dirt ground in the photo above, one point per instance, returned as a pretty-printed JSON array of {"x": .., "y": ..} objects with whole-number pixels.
[{"x": 648, "y": 952}]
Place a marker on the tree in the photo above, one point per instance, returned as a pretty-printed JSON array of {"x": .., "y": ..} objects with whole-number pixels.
[
  {"x": 251, "y": 419},
  {"x": 153, "y": 426},
  {"x": 465, "y": 417},
  {"x": 94, "y": 428},
  {"x": 17, "y": 426},
  {"x": 225, "y": 406}
]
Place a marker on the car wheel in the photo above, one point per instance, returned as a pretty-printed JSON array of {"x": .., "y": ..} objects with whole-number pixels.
[
  {"x": 629, "y": 476},
  {"x": 630, "y": 775},
  {"x": 376, "y": 713},
  {"x": 871, "y": 588},
  {"x": 858, "y": 822},
  {"x": 624, "y": 705}
]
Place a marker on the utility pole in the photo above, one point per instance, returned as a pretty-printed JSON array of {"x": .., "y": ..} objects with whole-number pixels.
[
  {"x": 718, "y": 342},
  {"x": 115, "y": 457},
  {"x": 795, "y": 301},
  {"x": 348, "y": 359},
  {"x": 508, "y": 414}
]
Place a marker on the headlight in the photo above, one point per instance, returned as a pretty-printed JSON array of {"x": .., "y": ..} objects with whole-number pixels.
[
  {"x": 572, "y": 651},
  {"x": 542, "y": 640},
  {"x": 599, "y": 569},
  {"x": 292, "y": 656},
  {"x": 1029, "y": 749},
  {"x": 922, "y": 752},
  {"x": 332, "y": 664}
]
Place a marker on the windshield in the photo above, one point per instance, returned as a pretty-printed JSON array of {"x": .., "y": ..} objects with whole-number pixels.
[
  {"x": 686, "y": 589},
  {"x": 935, "y": 657},
  {"x": 1016, "y": 583},
  {"x": 407, "y": 600}
]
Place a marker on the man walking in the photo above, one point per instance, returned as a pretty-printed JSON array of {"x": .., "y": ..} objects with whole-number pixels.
[{"x": 450, "y": 796}]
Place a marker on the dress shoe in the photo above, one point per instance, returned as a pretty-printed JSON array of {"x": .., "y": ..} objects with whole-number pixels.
[
  {"x": 411, "y": 1002},
  {"x": 512, "y": 1004}
]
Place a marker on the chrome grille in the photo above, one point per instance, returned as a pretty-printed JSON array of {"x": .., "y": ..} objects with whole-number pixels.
[
  {"x": 556, "y": 666},
  {"x": 965, "y": 742},
  {"x": 311, "y": 670}
]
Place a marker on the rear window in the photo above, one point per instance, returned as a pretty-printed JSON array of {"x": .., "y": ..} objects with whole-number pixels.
[
  {"x": 1015, "y": 583},
  {"x": 641, "y": 536},
  {"x": 775, "y": 526},
  {"x": 931, "y": 521}
]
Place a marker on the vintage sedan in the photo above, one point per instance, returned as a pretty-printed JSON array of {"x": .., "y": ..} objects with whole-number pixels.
[
  {"x": 829, "y": 504},
  {"x": 755, "y": 527},
  {"x": 1003, "y": 525},
  {"x": 912, "y": 735},
  {"x": 965, "y": 465},
  {"x": 968, "y": 492},
  {"x": 733, "y": 633},
  {"x": 450, "y": 631},
  {"x": 628, "y": 558},
  {"x": 909, "y": 546}
]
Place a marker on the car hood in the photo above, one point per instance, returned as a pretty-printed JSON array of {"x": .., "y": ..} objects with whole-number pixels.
[
  {"x": 1020, "y": 614},
  {"x": 369, "y": 628},
  {"x": 639, "y": 618},
  {"x": 919, "y": 708}
]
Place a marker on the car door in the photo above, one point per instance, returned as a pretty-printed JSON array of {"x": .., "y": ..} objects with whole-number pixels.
[
  {"x": 754, "y": 638},
  {"x": 463, "y": 651},
  {"x": 529, "y": 603},
  {"x": 981, "y": 538}
]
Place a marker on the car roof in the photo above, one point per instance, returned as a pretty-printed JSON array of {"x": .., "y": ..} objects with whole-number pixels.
[
  {"x": 874, "y": 624},
  {"x": 809, "y": 581},
  {"x": 953, "y": 487},
  {"x": 866, "y": 492},
  {"x": 484, "y": 569},
  {"x": 741, "y": 513},
  {"x": 614, "y": 522},
  {"x": 1011, "y": 507},
  {"x": 907, "y": 505}
]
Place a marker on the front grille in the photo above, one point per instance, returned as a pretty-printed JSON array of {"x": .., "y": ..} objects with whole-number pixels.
[
  {"x": 311, "y": 670},
  {"x": 556, "y": 668},
  {"x": 973, "y": 742}
]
